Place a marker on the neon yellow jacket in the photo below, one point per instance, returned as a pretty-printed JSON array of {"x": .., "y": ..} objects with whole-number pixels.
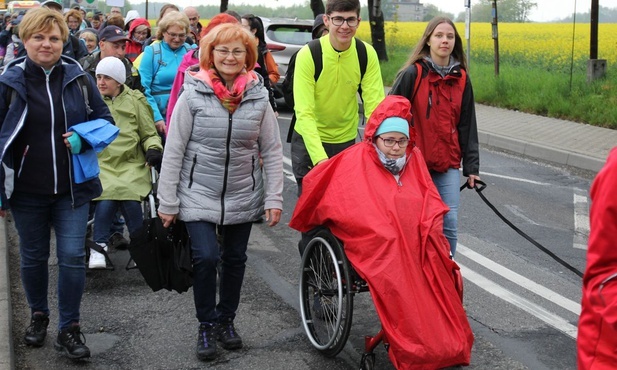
[{"x": 327, "y": 110}]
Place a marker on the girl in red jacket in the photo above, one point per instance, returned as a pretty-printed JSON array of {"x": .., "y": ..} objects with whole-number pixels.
[{"x": 435, "y": 81}]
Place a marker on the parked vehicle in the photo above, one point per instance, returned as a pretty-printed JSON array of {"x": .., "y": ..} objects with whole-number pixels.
[
  {"x": 22, "y": 5},
  {"x": 284, "y": 37}
]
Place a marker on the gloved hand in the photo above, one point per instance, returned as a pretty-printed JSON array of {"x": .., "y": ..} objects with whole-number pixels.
[{"x": 154, "y": 158}]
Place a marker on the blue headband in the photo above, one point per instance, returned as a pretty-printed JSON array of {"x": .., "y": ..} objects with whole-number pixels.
[{"x": 393, "y": 124}]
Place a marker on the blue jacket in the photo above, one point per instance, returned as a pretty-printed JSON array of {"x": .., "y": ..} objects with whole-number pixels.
[
  {"x": 157, "y": 68},
  {"x": 13, "y": 117}
]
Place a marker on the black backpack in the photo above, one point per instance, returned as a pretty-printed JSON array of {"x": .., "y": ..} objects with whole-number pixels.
[{"x": 315, "y": 48}]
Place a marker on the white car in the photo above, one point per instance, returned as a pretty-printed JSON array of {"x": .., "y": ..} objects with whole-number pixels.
[{"x": 284, "y": 37}]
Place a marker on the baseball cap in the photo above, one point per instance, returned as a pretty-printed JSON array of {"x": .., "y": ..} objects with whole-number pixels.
[
  {"x": 52, "y": 4},
  {"x": 112, "y": 34}
]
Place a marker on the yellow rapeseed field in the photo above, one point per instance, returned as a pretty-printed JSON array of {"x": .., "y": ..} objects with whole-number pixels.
[{"x": 548, "y": 45}]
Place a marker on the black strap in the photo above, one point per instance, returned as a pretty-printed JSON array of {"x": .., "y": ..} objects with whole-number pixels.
[
  {"x": 519, "y": 231},
  {"x": 315, "y": 48}
]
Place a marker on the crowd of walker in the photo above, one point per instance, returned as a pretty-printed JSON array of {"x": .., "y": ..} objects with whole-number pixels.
[{"x": 197, "y": 104}]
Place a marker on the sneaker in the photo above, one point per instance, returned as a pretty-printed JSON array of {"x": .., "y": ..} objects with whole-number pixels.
[
  {"x": 117, "y": 241},
  {"x": 97, "y": 260},
  {"x": 37, "y": 331},
  {"x": 228, "y": 335},
  {"x": 70, "y": 343},
  {"x": 206, "y": 342}
]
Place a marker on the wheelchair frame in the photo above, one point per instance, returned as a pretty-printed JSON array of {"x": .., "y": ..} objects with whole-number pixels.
[{"x": 328, "y": 284}]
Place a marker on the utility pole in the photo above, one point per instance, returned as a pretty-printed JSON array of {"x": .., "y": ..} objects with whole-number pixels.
[
  {"x": 468, "y": 31},
  {"x": 495, "y": 35},
  {"x": 596, "y": 68}
]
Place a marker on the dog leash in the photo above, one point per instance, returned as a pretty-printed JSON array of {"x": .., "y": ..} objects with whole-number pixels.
[{"x": 519, "y": 231}]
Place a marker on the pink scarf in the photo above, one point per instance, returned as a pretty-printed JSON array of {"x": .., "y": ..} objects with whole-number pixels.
[{"x": 229, "y": 99}]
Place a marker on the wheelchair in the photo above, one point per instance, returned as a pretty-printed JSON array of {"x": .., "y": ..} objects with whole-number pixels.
[{"x": 328, "y": 284}]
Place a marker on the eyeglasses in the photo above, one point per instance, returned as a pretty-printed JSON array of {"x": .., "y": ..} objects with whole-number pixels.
[
  {"x": 390, "y": 142},
  {"x": 193, "y": 19},
  {"x": 141, "y": 32},
  {"x": 176, "y": 35},
  {"x": 225, "y": 53},
  {"x": 338, "y": 21}
]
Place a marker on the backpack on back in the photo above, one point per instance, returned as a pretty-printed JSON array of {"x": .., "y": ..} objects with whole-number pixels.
[{"x": 315, "y": 48}]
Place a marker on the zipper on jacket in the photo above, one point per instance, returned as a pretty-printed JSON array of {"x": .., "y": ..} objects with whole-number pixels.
[
  {"x": 430, "y": 104},
  {"x": 226, "y": 173},
  {"x": 192, "y": 171},
  {"x": 53, "y": 125},
  {"x": 23, "y": 159},
  {"x": 253, "y": 172}
]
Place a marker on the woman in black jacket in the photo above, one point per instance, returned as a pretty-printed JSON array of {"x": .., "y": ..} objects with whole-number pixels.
[{"x": 41, "y": 96}]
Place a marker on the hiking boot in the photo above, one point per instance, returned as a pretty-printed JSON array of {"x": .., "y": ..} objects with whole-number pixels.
[
  {"x": 97, "y": 260},
  {"x": 37, "y": 331},
  {"x": 117, "y": 241},
  {"x": 70, "y": 343},
  {"x": 228, "y": 336},
  {"x": 206, "y": 342}
]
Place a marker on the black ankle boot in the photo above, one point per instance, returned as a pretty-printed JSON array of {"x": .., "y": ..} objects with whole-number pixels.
[
  {"x": 70, "y": 343},
  {"x": 37, "y": 331}
]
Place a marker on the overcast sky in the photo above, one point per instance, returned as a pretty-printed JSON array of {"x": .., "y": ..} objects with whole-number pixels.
[{"x": 546, "y": 10}]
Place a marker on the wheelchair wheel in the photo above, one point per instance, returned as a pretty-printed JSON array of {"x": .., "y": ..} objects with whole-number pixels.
[{"x": 326, "y": 299}]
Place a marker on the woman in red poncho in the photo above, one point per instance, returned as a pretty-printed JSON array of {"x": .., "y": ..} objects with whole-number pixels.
[{"x": 378, "y": 198}]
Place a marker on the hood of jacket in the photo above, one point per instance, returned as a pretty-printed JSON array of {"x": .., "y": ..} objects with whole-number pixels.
[
  {"x": 391, "y": 106},
  {"x": 138, "y": 22},
  {"x": 189, "y": 59}
]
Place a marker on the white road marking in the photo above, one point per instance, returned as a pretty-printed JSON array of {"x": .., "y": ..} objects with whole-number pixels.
[
  {"x": 517, "y": 212},
  {"x": 581, "y": 221},
  {"x": 482, "y": 174},
  {"x": 520, "y": 280},
  {"x": 551, "y": 319}
]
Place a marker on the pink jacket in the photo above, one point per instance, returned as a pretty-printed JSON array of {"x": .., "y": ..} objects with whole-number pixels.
[{"x": 188, "y": 60}]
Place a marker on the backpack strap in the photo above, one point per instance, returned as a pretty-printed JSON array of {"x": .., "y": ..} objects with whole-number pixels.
[
  {"x": 416, "y": 84},
  {"x": 156, "y": 50},
  {"x": 83, "y": 83},
  {"x": 315, "y": 48},
  {"x": 362, "y": 57}
]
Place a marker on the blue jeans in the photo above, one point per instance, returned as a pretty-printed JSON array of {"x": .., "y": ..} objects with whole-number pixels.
[
  {"x": 105, "y": 214},
  {"x": 448, "y": 185},
  {"x": 206, "y": 255},
  {"x": 34, "y": 216}
]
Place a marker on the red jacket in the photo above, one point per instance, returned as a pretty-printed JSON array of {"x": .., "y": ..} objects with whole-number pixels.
[
  {"x": 393, "y": 236},
  {"x": 444, "y": 116},
  {"x": 597, "y": 325},
  {"x": 134, "y": 48}
]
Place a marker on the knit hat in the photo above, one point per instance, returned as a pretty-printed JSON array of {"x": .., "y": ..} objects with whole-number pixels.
[
  {"x": 112, "y": 67},
  {"x": 317, "y": 26},
  {"x": 393, "y": 124}
]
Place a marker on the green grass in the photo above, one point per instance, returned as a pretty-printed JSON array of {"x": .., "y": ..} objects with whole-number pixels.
[{"x": 535, "y": 90}]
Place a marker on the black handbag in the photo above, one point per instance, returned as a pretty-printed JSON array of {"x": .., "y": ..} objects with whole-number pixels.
[{"x": 163, "y": 255}]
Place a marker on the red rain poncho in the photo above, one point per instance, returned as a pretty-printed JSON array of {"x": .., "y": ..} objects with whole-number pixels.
[
  {"x": 393, "y": 236},
  {"x": 597, "y": 325}
]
